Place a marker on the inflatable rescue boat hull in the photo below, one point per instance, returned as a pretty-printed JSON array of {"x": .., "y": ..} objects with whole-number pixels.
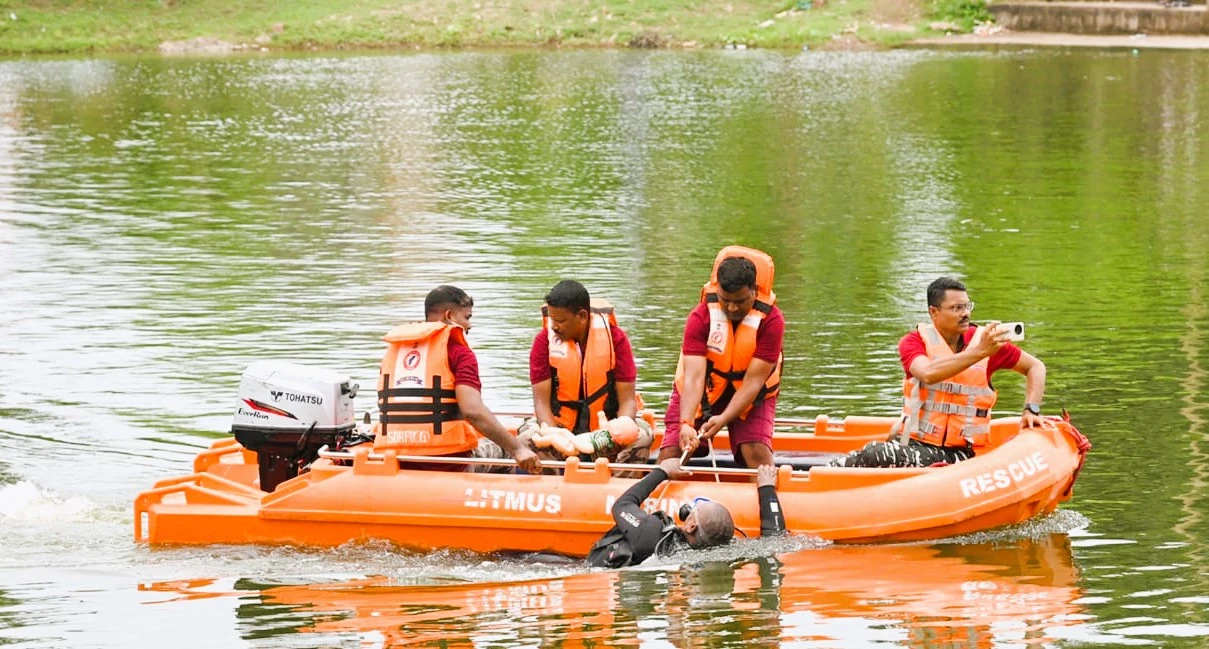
[{"x": 373, "y": 497}]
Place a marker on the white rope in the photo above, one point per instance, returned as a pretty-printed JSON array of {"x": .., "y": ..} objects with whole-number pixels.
[{"x": 713, "y": 459}]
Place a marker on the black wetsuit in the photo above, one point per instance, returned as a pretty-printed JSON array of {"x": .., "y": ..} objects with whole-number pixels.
[{"x": 637, "y": 534}]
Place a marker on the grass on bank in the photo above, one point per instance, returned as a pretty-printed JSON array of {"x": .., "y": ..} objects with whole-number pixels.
[{"x": 66, "y": 26}]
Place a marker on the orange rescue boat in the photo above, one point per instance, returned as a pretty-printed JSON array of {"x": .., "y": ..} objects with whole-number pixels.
[{"x": 359, "y": 494}]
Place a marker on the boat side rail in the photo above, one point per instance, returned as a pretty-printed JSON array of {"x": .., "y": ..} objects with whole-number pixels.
[
  {"x": 821, "y": 433},
  {"x": 217, "y": 451},
  {"x": 197, "y": 488},
  {"x": 821, "y": 424},
  {"x": 572, "y": 465}
]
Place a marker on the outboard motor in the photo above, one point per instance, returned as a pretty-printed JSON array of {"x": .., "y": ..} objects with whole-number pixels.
[{"x": 286, "y": 412}]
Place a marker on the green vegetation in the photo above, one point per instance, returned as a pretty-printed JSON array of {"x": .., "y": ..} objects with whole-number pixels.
[
  {"x": 66, "y": 26},
  {"x": 965, "y": 13}
]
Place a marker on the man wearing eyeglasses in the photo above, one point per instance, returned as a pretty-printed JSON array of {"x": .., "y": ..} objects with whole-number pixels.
[
  {"x": 704, "y": 523},
  {"x": 947, "y": 392}
]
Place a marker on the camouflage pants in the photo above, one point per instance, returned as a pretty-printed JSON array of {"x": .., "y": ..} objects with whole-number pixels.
[
  {"x": 489, "y": 450},
  {"x": 637, "y": 453},
  {"x": 893, "y": 454}
]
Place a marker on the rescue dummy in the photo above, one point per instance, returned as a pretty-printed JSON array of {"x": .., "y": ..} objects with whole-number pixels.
[{"x": 608, "y": 440}]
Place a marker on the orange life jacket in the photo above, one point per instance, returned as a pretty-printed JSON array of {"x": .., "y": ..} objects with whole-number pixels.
[
  {"x": 583, "y": 383},
  {"x": 416, "y": 400},
  {"x": 952, "y": 412},
  {"x": 728, "y": 349}
]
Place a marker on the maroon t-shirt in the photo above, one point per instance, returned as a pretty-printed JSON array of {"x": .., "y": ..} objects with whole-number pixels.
[
  {"x": 769, "y": 335},
  {"x": 912, "y": 346},
  {"x": 624, "y": 369},
  {"x": 464, "y": 365}
]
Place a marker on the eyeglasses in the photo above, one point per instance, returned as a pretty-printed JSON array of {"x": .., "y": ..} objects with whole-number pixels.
[{"x": 960, "y": 308}]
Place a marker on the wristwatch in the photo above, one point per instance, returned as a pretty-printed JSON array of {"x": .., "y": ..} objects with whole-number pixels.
[{"x": 1033, "y": 408}]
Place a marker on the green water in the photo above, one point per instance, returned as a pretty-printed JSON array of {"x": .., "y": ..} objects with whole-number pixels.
[{"x": 165, "y": 222}]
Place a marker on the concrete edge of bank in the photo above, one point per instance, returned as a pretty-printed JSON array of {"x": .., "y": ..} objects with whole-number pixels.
[{"x": 1018, "y": 40}]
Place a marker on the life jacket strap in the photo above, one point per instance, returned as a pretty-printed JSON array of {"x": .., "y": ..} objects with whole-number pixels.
[
  {"x": 440, "y": 405},
  {"x": 556, "y": 406},
  {"x": 583, "y": 407},
  {"x": 707, "y": 409}
]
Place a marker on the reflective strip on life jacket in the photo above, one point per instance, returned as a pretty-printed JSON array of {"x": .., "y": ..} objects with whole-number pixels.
[
  {"x": 417, "y": 400},
  {"x": 952, "y": 412}
]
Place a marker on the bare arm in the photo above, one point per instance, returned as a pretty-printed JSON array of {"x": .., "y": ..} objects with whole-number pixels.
[
  {"x": 1034, "y": 372},
  {"x": 753, "y": 380},
  {"x": 470, "y": 402},
  {"x": 626, "y": 400},
  {"x": 693, "y": 387},
  {"x": 542, "y": 391},
  {"x": 1034, "y": 384}
]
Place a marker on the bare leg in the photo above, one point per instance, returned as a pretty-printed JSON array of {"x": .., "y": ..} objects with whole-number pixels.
[{"x": 755, "y": 454}]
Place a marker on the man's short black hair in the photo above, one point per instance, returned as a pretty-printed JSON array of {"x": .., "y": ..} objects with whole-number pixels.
[
  {"x": 735, "y": 273},
  {"x": 936, "y": 290},
  {"x": 445, "y": 297},
  {"x": 570, "y": 295}
]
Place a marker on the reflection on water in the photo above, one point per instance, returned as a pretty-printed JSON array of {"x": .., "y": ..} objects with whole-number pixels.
[
  {"x": 165, "y": 222},
  {"x": 1194, "y": 408},
  {"x": 975, "y": 595}
]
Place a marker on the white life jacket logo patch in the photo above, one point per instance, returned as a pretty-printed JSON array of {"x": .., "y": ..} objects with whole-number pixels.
[
  {"x": 412, "y": 360},
  {"x": 717, "y": 336},
  {"x": 409, "y": 367},
  {"x": 558, "y": 347}
]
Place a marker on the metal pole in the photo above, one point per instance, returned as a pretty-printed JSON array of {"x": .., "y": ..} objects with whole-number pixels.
[
  {"x": 549, "y": 464},
  {"x": 776, "y": 422}
]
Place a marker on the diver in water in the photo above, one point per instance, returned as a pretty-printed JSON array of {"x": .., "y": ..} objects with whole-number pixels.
[{"x": 703, "y": 523}]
